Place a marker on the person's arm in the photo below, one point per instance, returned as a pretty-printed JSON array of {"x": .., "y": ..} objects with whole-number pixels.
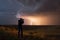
[{"x": 20, "y": 22}]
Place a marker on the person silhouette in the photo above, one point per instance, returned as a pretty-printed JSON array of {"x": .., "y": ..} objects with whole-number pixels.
[{"x": 20, "y": 30}]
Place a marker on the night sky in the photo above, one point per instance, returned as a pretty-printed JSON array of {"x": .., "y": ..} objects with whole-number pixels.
[{"x": 10, "y": 8}]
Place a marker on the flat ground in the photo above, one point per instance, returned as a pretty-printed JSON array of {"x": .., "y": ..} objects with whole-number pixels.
[{"x": 47, "y": 32}]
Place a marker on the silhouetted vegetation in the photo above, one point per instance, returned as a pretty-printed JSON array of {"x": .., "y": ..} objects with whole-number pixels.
[{"x": 10, "y": 33}]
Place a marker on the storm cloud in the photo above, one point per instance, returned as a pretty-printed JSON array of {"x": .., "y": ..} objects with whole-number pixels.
[
  {"x": 41, "y": 5},
  {"x": 9, "y": 9}
]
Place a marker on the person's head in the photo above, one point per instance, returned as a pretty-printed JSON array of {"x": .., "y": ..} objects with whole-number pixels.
[
  {"x": 21, "y": 21},
  {"x": 20, "y": 18}
]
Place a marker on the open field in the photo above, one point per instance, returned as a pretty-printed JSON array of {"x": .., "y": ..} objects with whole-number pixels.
[{"x": 9, "y": 32}]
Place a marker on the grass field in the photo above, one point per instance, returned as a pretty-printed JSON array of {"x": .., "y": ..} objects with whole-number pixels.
[{"x": 9, "y": 32}]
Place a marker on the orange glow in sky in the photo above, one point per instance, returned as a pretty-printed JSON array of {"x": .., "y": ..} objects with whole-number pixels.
[{"x": 36, "y": 20}]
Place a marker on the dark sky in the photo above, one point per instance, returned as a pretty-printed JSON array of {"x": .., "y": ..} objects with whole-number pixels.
[{"x": 9, "y": 9}]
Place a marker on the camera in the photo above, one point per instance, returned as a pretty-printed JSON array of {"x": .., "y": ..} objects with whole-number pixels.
[{"x": 20, "y": 21}]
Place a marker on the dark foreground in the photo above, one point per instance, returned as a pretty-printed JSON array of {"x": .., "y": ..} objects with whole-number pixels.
[{"x": 9, "y": 32}]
